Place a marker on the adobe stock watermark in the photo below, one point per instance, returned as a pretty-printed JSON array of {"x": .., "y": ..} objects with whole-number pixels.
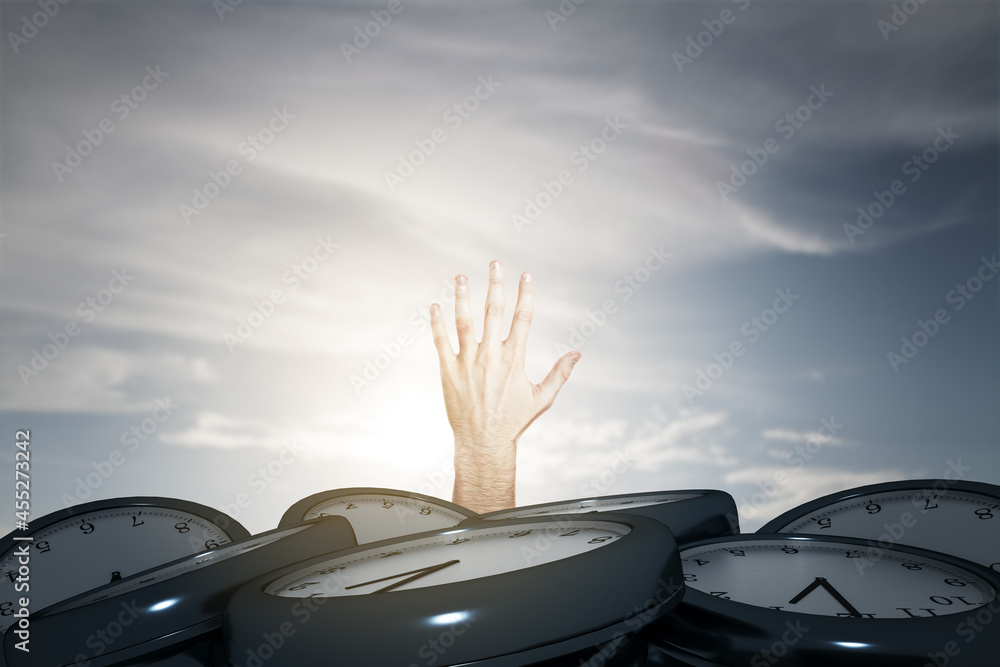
[
  {"x": 914, "y": 168},
  {"x": 259, "y": 481},
  {"x": 223, "y": 7},
  {"x": 122, "y": 107},
  {"x": 248, "y": 149},
  {"x": 896, "y": 530},
  {"x": 795, "y": 460},
  {"x": 581, "y": 158},
  {"x": 455, "y": 116},
  {"x": 779, "y": 648},
  {"x": 599, "y": 485},
  {"x": 901, "y": 13},
  {"x": 31, "y": 25},
  {"x": 264, "y": 308},
  {"x": 697, "y": 44},
  {"x": 365, "y": 33},
  {"x": 927, "y": 329},
  {"x": 627, "y": 286},
  {"x": 131, "y": 440},
  {"x": 752, "y": 329},
  {"x": 786, "y": 126},
  {"x": 391, "y": 350},
  {"x": 88, "y": 310},
  {"x": 968, "y": 629},
  {"x": 435, "y": 648},
  {"x": 565, "y": 9}
]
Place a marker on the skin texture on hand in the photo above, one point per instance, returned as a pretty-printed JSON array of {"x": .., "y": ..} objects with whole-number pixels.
[{"x": 488, "y": 397}]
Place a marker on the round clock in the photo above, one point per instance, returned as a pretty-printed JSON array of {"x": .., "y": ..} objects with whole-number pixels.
[
  {"x": 960, "y": 518},
  {"x": 89, "y": 545},
  {"x": 691, "y": 515},
  {"x": 379, "y": 514},
  {"x": 819, "y": 601},
  {"x": 158, "y": 611},
  {"x": 498, "y": 593}
]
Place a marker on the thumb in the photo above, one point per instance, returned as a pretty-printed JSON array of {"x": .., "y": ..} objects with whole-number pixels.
[{"x": 547, "y": 389}]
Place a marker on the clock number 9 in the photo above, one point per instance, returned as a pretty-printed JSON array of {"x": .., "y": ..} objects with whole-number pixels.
[
  {"x": 824, "y": 522},
  {"x": 182, "y": 527},
  {"x": 789, "y": 550},
  {"x": 426, "y": 511},
  {"x": 984, "y": 513},
  {"x": 87, "y": 528},
  {"x": 386, "y": 505},
  {"x": 737, "y": 552},
  {"x": 873, "y": 508},
  {"x": 520, "y": 533},
  {"x": 599, "y": 540},
  {"x": 211, "y": 544}
]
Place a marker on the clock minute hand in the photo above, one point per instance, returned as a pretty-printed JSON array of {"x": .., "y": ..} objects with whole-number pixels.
[
  {"x": 820, "y": 581},
  {"x": 417, "y": 574}
]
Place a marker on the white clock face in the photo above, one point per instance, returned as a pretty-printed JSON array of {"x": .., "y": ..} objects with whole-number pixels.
[
  {"x": 96, "y": 548},
  {"x": 831, "y": 579},
  {"x": 458, "y": 555},
  {"x": 963, "y": 524},
  {"x": 595, "y": 505},
  {"x": 380, "y": 516}
]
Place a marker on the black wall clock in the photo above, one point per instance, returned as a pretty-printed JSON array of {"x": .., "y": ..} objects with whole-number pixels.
[
  {"x": 157, "y": 612},
  {"x": 93, "y": 544},
  {"x": 505, "y": 592},
  {"x": 958, "y": 517},
  {"x": 807, "y": 600}
]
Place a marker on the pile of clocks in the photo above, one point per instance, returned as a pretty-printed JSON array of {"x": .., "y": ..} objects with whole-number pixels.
[{"x": 902, "y": 573}]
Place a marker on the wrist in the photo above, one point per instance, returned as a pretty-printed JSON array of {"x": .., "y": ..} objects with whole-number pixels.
[{"x": 485, "y": 474}]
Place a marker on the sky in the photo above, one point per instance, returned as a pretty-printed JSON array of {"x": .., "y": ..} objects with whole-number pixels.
[{"x": 769, "y": 227}]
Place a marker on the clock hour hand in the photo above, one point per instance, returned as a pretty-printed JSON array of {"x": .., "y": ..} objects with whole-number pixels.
[
  {"x": 417, "y": 574},
  {"x": 822, "y": 582}
]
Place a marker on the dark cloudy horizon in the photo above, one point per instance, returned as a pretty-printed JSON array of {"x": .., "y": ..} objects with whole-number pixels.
[{"x": 221, "y": 232}]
